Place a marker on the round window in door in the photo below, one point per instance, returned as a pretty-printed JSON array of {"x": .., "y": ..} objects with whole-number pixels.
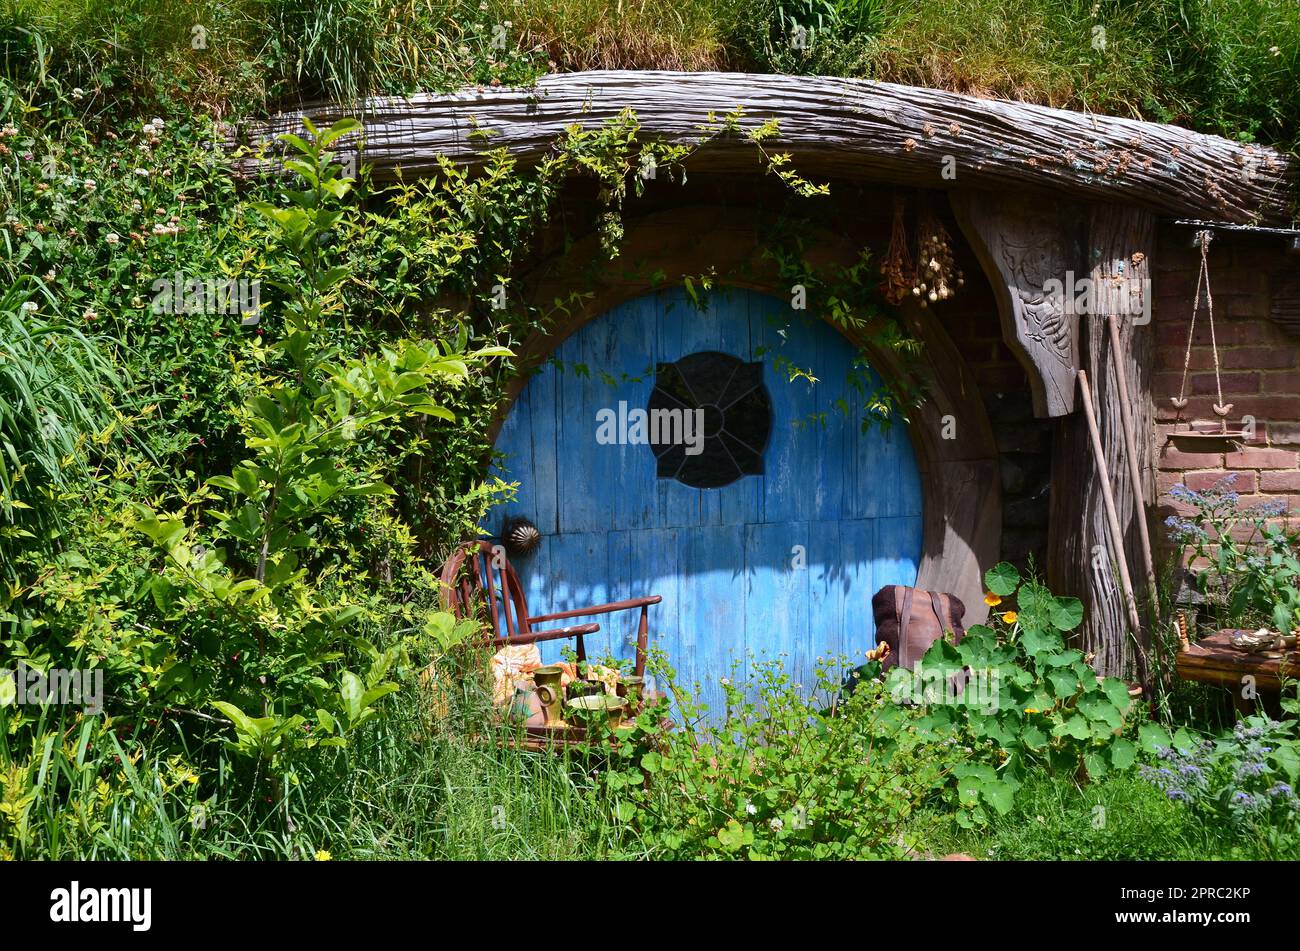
[
  {"x": 772, "y": 549},
  {"x": 727, "y": 412}
]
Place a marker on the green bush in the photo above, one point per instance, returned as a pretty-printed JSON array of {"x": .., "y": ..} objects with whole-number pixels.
[
  {"x": 1017, "y": 699},
  {"x": 784, "y": 772}
]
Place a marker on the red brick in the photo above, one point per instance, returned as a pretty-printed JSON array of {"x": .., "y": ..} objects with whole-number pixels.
[
  {"x": 1208, "y": 384},
  {"x": 1284, "y": 481},
  {"x": 1200, "y": 481},
  {"x": 1239, "y": 332},
  {"x": 1245, "y": 307},
  {"x": 1260, "y": 257},
  {"x": 1282, "y": 384},
  {"x": 1245, "y": 531},
  {"x": 1259, "y": 358},
  {"x": 1171, "y": 358},
  {"x": 1175, "y": 284},
  {"x": 1268, "y": 407},
  {"x": 1261, "y": 459},
  {"x": 1238, "y": 281},
  {"x": 1172, "y": 459}
]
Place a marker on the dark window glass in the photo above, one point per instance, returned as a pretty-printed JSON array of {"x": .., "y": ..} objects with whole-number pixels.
[{"x": 736, "y": 413}]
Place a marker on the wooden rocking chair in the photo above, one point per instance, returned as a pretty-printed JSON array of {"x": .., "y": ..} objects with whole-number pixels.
[{"x": 490, "y": 587}]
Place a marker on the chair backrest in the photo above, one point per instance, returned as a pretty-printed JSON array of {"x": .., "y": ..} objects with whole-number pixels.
[{"x": 478, "y": 580}]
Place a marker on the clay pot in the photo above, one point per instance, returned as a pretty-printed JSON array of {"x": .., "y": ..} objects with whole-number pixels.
[{"x": 593, "y": 706}]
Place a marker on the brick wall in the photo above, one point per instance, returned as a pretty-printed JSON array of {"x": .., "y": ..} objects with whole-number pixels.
[{"x": 1259, "y": 365}]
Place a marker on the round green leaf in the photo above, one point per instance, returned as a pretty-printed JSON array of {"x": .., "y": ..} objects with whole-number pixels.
[
  {"x": 1002, "y": 579},
  {"x": 1066, "y": 613}
]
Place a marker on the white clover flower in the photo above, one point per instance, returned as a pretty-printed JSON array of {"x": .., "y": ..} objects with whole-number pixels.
[
  {"x": 89, "y": 185},
  {"x": 776, "y": 824},
  {"x": 751, "y": 808},
  {"x": 30, "y": 306},
  {"x": 90, "y": 313},
  {"x": 142, "y": 172},
  {"x": 112, "y": 237},
  {"x": 136, "y": 206},
  {"x": 78, "y": 93},
  {"x": 158, "y": 123}
]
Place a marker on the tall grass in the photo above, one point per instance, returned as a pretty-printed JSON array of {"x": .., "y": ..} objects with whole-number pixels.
[
  {"x": 57, "y": 389},
  {"x": 406, "y": 789},
  {"x": 1225, "y": 66}
]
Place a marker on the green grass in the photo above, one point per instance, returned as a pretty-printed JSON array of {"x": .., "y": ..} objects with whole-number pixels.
[
  {"x": 1120, "y": 818},
  {"x": 1226, "y": 66},
  {"x": 404, "y": 790}
]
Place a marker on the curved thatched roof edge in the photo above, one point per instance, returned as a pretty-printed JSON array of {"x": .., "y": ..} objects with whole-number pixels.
[{"x": 857, "y": 128}]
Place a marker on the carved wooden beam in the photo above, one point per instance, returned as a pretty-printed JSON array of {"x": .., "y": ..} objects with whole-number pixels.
[
  {"x": 847, "y": 127},
  {"x": 1022, "y": 245}
]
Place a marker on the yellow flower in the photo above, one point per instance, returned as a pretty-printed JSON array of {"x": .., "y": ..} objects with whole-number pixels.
[
  {"x": 992, "y": 600},
  {"x": 1032, "y": 710},
  {"x": 323, "y": 855},
  {"x": 1010, "y": 617}
]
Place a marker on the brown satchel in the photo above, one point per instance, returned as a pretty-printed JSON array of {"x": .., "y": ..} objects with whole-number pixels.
[{"x": 909, "y": 620}]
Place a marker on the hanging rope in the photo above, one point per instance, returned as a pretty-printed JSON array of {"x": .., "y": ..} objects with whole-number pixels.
[{"x": 1221, "y": 409}]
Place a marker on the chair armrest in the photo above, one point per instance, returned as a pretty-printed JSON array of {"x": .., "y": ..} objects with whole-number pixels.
[
  {"x": 599, "y": 609},
  {"x": 532, "y": 637}
]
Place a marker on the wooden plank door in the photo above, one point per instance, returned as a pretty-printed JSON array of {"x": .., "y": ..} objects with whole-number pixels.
[{"x": 776, "y": 565}]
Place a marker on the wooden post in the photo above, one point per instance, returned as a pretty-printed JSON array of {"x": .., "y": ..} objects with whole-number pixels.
[{"x": 1118, "y": 249}]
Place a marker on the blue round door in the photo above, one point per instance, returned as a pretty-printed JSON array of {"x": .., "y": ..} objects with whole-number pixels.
[{"x": 716, "y": 457}]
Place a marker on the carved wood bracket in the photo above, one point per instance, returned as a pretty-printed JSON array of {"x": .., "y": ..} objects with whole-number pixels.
[{"x": 1022, "y": 245}]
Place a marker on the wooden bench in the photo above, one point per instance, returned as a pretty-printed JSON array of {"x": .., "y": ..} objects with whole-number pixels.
[{"x": 1213, "y": 660}]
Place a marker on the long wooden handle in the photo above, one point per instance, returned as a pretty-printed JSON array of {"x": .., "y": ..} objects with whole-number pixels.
[
  {"x": 1130, "y": 451},
  {"x": 1108, "y": 499}
]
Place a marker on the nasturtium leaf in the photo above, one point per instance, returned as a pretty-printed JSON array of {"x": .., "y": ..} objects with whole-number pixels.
[
  {"x": 1101, "y": 710},
  {"x": 1117, "y": 692},
  {"x": 1000, "y": 795},
  {"x": 731, "y": 836},
  {"x": 1122, "y": 753},
  {"x": 1075, "y": 726},
  {"x": 1152, "y": 735},
  {"x": 1064, "y": 683},
  {"x": 1033, "y": 737},
  {"x": 1066, "y": 613},
  {"x": 1037, "y": 642},
  {"x": 1002, "y": 579},
  {"x": 1095, "y": 764}
]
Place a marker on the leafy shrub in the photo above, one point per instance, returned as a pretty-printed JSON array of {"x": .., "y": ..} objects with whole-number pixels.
[
  {"x": 784, "y": 773},
  {"x": 1015, "y": 699},
  {"x": 1251, "y": 577},
  {"x": 1245, "y": 778}
]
